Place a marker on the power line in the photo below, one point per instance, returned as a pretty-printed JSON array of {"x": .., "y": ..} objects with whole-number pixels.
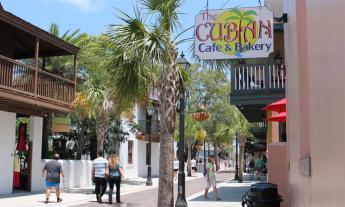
[{"x": 225, "y": 4}]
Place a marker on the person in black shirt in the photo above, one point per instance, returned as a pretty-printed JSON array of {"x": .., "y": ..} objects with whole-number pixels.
[{"x": 52, "y": 171}]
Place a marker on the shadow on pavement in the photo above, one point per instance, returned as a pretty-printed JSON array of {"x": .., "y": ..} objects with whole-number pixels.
[
  {"x": 227, "y": 194},
  {"x": 20, "y": 194}
]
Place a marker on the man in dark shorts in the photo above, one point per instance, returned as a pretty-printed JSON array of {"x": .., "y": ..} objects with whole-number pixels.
[{"x": 52, "y": 172}]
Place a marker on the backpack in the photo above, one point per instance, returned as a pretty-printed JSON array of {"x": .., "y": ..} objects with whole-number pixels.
[{"x": 115, "y": 172}]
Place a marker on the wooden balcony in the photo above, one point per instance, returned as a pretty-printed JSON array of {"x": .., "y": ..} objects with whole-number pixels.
[
  {"x": 22, "y": 87},
  {"x": 27, "y": 89},
  {"x": 254, "y": 86}
]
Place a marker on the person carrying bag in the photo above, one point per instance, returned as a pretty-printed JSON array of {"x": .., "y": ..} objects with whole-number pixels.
[{"x": 114, "y": 177}]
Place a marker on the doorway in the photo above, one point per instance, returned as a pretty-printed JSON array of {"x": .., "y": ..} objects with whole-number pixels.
[{"x": 22, "y": 155}]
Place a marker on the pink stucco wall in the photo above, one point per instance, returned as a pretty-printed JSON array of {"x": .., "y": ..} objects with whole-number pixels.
[
  {"x": 315, "y": 58},
  {"x": 277, "y": 167}
]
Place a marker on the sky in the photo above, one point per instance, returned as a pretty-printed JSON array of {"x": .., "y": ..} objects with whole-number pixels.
[{"x": 94, "y": 16}]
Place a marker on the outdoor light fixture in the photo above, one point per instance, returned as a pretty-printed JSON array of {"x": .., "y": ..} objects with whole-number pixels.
[
  {"x": 150, "y": 111},
  {"x": 278, "y": 59},
  {"x": 181, "y": 197},
  {"x": 183, "y": 62}
]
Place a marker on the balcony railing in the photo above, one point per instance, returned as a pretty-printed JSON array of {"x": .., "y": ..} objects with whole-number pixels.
[
  {"x": 257, "y": 78},
  {"x": 18, "y": 78},
  {"x": 155, "y": 127}
]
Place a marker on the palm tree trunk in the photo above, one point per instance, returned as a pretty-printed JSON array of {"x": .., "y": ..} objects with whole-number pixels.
[
  {"x": 81, "y": 146},
  {"x": 216, "y": 154},
  {"x": 241, "y": 152},
  {"x": 101, "y": 126},
  {"x": 168, "y": 94}
]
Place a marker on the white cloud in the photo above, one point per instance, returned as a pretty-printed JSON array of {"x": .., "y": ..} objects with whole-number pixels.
[{"x": 84, "y": 5}]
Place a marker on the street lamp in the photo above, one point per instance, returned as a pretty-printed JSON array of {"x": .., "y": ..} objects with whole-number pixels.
[
  {"x": 181, "y": 197},
  {"x": 150, "y": 110}
]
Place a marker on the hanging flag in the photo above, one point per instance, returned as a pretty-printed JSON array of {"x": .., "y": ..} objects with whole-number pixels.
[{"x": 21, "y": 145}]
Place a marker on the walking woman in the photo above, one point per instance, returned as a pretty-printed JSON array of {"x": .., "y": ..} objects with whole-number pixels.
[
  {"x": 115, "y": 174},
  {"x": 211, "y": 178}
]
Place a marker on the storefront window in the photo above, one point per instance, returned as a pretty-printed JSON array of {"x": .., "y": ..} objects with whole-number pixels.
[{"x": 130, "y": 152}]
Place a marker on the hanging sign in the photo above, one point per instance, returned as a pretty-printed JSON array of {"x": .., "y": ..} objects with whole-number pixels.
[
  {"x": 234, "y": 33},
  {"x": 61, "y": 124}
]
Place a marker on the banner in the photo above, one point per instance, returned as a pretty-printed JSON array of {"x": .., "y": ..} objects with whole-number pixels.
[
  {"x": 61, "y": 124},
  {"x": 234, "y": 33}
]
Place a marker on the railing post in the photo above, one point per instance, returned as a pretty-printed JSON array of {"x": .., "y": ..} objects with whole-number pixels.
[
  {"x": 37, "y": 48},
  {"x": 267, "y": 77},
  {"x": 75, "y": 65}
]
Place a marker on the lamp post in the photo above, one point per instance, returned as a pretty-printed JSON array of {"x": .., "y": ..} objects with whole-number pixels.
[
  {"x": 181, "y": 196},
  {"x": 150, "y": 110}
]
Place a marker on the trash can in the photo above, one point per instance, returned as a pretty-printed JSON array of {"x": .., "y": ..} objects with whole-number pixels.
[{"x": 262, "y": 195}]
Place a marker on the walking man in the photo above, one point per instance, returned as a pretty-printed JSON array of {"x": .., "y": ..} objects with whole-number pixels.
[
  {"x": 52, "y": 172},
  {"x": 99, "y": 174},
  {"x": 193, "y": 164}
]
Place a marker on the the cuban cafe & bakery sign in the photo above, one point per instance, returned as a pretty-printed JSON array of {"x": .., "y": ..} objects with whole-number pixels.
[{"x": 234, "y": 33}]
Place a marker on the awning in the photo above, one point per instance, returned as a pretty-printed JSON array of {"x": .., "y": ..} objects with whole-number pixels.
[
  {"x": 281, "y": 117},
  {"x": 279, "y": 106}
]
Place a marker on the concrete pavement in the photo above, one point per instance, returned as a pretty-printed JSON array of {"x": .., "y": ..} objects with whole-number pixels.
[
  {"x": 135, "y": 193},
  {"x": 77, "y": 196},
  {"x": 230, "y": 192}
]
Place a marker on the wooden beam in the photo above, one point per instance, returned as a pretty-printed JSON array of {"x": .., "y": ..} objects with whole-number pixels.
[
  {"x": 37, "y": 50},
  {"x": 44, "y": 106},
  {"x": 75, "y": 66},
  {"x": 19, "y": 109}
]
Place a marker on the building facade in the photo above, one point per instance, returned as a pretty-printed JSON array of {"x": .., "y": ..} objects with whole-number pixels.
[
  {"x": 28, "y": 90},
  {"x": 134, "y": 152},
  {"x": 315, "y": 43}
]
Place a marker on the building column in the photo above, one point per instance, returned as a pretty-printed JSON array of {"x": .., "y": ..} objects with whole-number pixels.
[
  {"x": 36, "y": 128},
  {"x": 272, "y": 129},
  {"x": 7, "y": 144}
]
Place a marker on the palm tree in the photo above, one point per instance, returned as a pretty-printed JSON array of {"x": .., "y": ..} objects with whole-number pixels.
[
  {"x": 95, "y": 100},
  {"x": 144, "y": 55},
  {"x": 63, "y": 65}
]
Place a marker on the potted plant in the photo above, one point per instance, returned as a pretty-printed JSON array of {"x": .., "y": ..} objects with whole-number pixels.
[{"x": 201, "y": 113}]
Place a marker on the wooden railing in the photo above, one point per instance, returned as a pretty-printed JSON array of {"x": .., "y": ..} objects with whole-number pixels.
[
  {"x": 19, "y": 78},
  {"x": 258, "y": 78}
]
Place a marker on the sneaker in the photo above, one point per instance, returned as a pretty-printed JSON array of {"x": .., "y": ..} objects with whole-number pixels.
[
  {"x": 59, "y": 200},
  {"x": 46, "y": 202},
  {"x": 100, "y": 199}
]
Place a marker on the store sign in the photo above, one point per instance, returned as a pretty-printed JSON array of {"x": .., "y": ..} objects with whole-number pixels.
[
  {"x": 234, "y": 33},
  {"x": 61, "y": 124}
]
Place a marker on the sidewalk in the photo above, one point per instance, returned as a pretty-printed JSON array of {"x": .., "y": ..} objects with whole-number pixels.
[
  {"x": 76, "y": 196},
  {"x": 230, "y": 192}
]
